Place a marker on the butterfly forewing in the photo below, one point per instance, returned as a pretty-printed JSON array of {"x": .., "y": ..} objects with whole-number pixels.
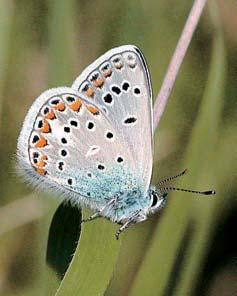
[
  {"x": 68, "y": 143},
  {"x": 118, "y": 83}
]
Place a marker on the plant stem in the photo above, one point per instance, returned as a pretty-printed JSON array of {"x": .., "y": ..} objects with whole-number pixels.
[{"x": 176, "y": 61}]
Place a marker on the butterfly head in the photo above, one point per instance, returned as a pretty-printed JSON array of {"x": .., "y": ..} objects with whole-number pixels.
[{"x": 157, "y": 200}]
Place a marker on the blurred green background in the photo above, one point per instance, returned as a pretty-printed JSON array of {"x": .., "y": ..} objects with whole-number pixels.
[{"x": 190, "y": 248}]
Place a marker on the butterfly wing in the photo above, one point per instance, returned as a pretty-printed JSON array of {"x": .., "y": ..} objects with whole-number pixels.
[
  {"x": 67, "y": 143},
  {"x": 118, "y": 83}
]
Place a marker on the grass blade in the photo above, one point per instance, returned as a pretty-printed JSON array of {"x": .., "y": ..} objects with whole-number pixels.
[{"x": 93, "y": 263}]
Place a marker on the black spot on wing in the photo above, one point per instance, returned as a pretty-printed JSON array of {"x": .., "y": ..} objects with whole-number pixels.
[
  {"x": 130, "y": 120},
  {"x": 67, "y": 129},
  {"x": 116, "y": 90},
  {"x": 137, "y": 91},
  {"x": 108, "y": 98},
  {"x": 125, "y": 86}
]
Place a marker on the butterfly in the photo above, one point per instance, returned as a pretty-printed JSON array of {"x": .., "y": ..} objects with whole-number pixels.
[{"x": 93, "y": 141}]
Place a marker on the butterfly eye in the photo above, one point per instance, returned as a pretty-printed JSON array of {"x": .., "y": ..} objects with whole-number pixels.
[{"x": 154, "y": 199}]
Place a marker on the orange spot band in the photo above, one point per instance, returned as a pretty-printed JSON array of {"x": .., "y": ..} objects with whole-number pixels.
[
  {"x": 41, "y": 171},
  {"x": 40, "y": 164},
  {"x": 75, "y": 106},
  {"x": 46, "y": 127},
  {"x": 50, "y": 115},
  {"x": 42, "y": 142},
  {"x": 98, "y": 82},
  {"x": 43, "y": 157},
  {"x": 92, "y": 109},
  {"x": 90, "y": 92},
  {"x": 107, "y": 73},
  {"x": 60, "y": 106}
]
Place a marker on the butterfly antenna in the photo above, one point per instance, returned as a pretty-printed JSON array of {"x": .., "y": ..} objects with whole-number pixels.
[
  {"x": 208, "y": 192},
  {"x": 172, "y": 177}
]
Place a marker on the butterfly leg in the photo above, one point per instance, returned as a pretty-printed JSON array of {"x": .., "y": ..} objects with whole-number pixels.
[
  {"x": 130, "y": 221},
  {"x": 100, "y": 213},
  {"x": 122, "y": 228},
  {"x": 92, "y": 217}
]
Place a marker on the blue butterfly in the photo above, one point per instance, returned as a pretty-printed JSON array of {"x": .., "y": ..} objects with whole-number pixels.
[{"x": 93, "y": 141}]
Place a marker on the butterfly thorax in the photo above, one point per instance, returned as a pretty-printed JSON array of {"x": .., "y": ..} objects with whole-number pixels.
[
  {"x": 134, "y": 205},
  {"x": 125, "y": 204}
]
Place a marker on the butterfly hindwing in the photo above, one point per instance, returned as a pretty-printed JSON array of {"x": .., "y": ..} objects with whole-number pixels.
[
  {"x": 119, "y": 84},
  {"x": 66, "y": 142}
]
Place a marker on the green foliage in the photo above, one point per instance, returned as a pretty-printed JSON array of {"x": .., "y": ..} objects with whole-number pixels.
[
  {"x": 93, "y": 263},
  {"x": 64, "y": 233}
]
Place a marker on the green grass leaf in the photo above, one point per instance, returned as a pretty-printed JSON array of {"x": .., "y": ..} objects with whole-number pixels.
[
  {"x": 64, "y": 234},
  {"x": 6, "y": 13},
  {"x": 93, "y": 263}
]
